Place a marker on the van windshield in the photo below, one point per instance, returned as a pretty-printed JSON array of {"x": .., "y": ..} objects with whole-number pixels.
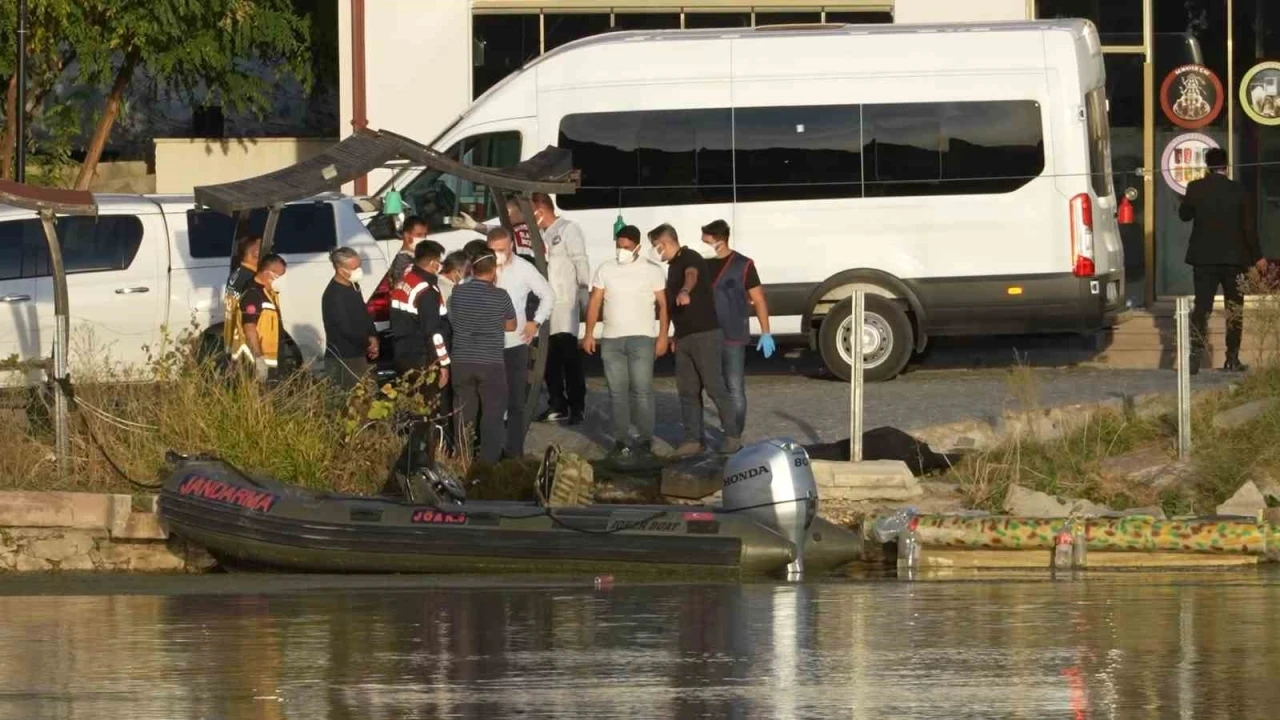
[{"x": 1099, "y": 142}]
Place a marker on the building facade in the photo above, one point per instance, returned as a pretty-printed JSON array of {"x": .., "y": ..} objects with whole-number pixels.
[{"x": 1182, "y": 76}]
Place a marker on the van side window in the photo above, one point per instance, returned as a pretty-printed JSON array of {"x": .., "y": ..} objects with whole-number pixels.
[
  {"x": 436, "y": 196},
  {"x": 302, "y": 228},
  {"x": 678, "y": 157},
  {"x": 89, "y": 244},
  {"x": 650, "y": 158},
  {"x": 797, "y": 153},
  {"x": 951, "y": 148},
  {"x": 1099, "y": 128}
]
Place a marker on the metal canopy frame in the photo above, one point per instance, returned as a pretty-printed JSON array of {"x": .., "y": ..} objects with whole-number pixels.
[
  {"x": 550, "y": 171},
  {"x": 48, "y": 202}
]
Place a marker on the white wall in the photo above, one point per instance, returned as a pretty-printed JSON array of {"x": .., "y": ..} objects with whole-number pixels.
[
  {"x": 937, "y": 11},
  {"x": 418, "y": 66}
]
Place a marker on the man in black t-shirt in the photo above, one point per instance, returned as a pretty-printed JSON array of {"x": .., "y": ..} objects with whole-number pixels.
[{"x": 697, "y": 341}]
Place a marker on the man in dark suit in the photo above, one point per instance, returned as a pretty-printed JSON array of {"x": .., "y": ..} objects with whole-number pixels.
[{"x": 1223, "y": 246}]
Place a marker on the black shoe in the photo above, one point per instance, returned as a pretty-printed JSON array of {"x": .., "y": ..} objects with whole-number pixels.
[
  {"x": 576, "y": 418},
  {"x": 552, "y": 416},
  {"x": 1234, "y": 365}
]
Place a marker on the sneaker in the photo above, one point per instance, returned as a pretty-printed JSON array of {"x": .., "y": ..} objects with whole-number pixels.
[
  {"x": 730, "y": 445},
  {"x": 576, "y": 418},
  {"x": 551, "y": 416},
  {"x": 622, "y": 455},
  {"x": 689, "y": 448}
]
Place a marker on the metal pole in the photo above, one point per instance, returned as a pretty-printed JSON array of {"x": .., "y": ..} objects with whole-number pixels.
[
  {"x": 1182, "y": 319},
  {"x": 20, "y": 108},
  {"x": 855, "y": 377},
  {"x": 61, "y": 339}
]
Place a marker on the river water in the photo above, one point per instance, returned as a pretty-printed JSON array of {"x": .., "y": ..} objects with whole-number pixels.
[{"x": 1116, "y": 645}]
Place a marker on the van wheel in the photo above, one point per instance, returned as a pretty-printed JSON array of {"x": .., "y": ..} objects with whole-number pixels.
[{"x": 886, "y": 339}]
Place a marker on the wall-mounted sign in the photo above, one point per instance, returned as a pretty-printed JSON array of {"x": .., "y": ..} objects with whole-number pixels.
[
  {"x": 1183, "y": 160},
  {"x": 1260, "y": 93},
  {"x": 1192, "y": 96}
]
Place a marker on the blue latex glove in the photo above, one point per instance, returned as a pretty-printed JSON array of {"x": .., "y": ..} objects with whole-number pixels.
[{"x": 766, "y": 345}]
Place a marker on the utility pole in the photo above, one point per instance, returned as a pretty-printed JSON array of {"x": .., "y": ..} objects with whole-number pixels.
[{"x": 20, "y": 124}]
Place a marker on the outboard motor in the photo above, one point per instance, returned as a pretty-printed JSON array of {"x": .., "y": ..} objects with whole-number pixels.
[{"x": 772, "y": 482}]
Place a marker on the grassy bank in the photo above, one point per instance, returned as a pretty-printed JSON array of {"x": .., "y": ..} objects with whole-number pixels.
[
  {"x": 301, "y": 429},
  {"x": 1076, "y": 464}
]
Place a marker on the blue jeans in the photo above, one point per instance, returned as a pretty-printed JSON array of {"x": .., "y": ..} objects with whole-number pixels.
[
  {"x": 628, "y": 368},
  {"x": 733, "y": 363}
]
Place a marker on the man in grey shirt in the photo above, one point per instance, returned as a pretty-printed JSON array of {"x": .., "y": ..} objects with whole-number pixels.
[
  {"x": 481, "y": 314},
  {"x": 519, "y": 278}
]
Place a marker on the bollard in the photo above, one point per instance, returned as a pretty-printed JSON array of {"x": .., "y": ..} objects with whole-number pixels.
[
  {"x": 855, "y": 377},
  {"x": 1182, "y": 320}
]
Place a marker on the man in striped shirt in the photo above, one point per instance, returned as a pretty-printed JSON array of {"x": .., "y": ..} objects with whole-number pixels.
[{"x": 481, "y": 314}]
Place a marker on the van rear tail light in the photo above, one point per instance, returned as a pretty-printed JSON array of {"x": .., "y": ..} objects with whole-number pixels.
[{"x": 1082, "y": 263}]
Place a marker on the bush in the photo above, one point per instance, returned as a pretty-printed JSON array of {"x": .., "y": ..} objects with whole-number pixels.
[{"x": 300, "y": 430}]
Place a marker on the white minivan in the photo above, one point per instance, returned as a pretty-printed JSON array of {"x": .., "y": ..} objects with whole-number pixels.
[
  {"x": 147, "y": 262},
  {"x": 960, "y": 174}
]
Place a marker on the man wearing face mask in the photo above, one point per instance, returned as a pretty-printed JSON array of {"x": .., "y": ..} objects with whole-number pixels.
[
  {"x": 412, "y": 232},
  {"x": 519, "y": 278},
  {"x": 260, "y": 318},
  {"x": 350, "y": 337},
  {"x": 626, "y": 291},
  {"x": 698, "y": 339},
  {"x": 455, "y": 268},
  {"x": 419, "y": 318},
  {"x": 569, "y": 273},
  {"x": 736, "y": 286},
  {"x": 519, "y": 228}
]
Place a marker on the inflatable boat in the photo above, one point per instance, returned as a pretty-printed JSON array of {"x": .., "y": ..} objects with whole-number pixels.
[{"x": 767, "y": 525}]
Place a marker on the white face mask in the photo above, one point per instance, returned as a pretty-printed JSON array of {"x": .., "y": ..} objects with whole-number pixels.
[
  {"x": 626, "y": 257},
  {"x": 655, "y": 255},
  {"x": 708, "y": 252},
  {"x": 356, "y": 275},
  {"x": 277, "y": 282},
  {"x": 504, "y": 257}
]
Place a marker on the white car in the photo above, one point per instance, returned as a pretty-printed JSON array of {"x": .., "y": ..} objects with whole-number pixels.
[{"x": 150, "y": 262}]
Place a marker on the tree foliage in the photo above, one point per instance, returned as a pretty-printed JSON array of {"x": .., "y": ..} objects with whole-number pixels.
[{"x": 220, "y": 52}]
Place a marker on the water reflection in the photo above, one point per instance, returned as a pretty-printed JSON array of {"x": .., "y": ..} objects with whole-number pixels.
[{"x": 1122, "y": 646}]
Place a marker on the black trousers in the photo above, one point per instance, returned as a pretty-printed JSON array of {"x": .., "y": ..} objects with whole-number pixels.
[
  {"x": 481, "y": 391},
  {"x": 566, "y": 380},
  {"x": 1207, "y": 280},
  {"x": 516, "y": 361}
]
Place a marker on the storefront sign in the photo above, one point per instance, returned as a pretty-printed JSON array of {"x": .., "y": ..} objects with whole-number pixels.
[
  {"x": 1192, "y": 96},
  {"x": 1260, "y": 93},
  {"x": 1183, "y": 160}
]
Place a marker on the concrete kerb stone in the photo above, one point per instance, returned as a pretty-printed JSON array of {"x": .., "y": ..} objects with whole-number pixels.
[
  {"x": 80, "y": 511},
  {"x": 868, "y": 480}
]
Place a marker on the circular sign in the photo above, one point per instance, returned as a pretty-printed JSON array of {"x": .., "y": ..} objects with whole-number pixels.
[
  {"x": 1192, "y": 96},
  {"x": 1183, "y": 160},
  {"x": 1260, "y": 93}
]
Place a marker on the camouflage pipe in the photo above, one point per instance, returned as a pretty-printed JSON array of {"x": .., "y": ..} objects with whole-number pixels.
[{"x": 1131, "y": 534}]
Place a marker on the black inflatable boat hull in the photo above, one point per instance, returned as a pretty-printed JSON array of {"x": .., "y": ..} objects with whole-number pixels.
[{"x": 261, "y": 523}]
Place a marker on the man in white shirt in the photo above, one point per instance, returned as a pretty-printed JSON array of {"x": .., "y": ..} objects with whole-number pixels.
[
  {"x": 628, "y": 289},
  {"x": 569, "y": 273},
  {"x": 519, "y": 278}
]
